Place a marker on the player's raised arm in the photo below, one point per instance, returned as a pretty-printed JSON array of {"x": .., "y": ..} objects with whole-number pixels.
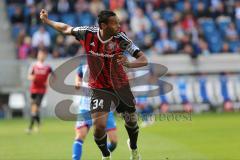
[{"x": 61, "y": 27}]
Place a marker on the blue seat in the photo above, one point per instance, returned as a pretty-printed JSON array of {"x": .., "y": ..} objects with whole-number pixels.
[
  {"x": 179, "y": 5},
  {"x": 194, "y": 4},
  {"x": 234, "y": 46},
  {"x": 52, "y": 32},
  {"x": 85, "y": 19},
  {"x": 69, "y": 19},
  {"x": 26, "y": 11},
  {"x": 223, "y": 25},
  {"x": 208, "y": 26},
  {"x": 53, "y": 17},
  {"x": 238, "y": 25},
  {"x": 15, "y": 31},
  {"x": 168, "y": 15},
  {"x": 215, "y": 42},
  {"x": 33, "y": 29},
  {"x": 10, "y": 11}
]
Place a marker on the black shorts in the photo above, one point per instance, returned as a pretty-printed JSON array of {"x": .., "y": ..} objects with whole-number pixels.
[
  {"x": 36, "y": 98},
  {"x": 105, "y": 100}
]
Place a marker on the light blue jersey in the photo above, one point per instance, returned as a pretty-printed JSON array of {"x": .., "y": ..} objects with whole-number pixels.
[{"x": 84, "y": 102}]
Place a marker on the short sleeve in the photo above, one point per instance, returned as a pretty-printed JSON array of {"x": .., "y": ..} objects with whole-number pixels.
[
  {"x": 127, "y": 45},
  {"x": 79, "y": 32}
]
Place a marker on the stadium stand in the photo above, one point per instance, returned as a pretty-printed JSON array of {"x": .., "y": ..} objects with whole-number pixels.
[{"x": 192, "y": 27}]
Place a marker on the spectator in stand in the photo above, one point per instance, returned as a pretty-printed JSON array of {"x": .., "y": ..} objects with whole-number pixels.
[
  {"x": 187, "y": 6},
  {"x": 73, "y": 46},
  {"x": 237, "y": 10},
  {"x": 80, "y": 6},
  {"x": 32, "y": 19},
  {"x": 231, "y": 33},
  {"x": 178, "y": 32},
  {"x": 139, "y": 22},
  {"x": 188, "y": 49},
  {"x": 25, "y": 48},
  {"x": 41, "y": 38},
  {"x": 165, "y": 45},
  {"x": 50, "y": 6},
  {"x": 63, "y": 6},
  {"x": 218, "y": 9},
  {"x": 96, "y": 6},
  {"x": 20, "y": 38},
  {"x": 60, "y": 47},
  {"x": 162, "y": 27},
  {"x": 18, "y": 17},
  {"x": 116, "y": 4},
  {"x": 225, "y": 48},
  {"x": 146, "y": 22},
  {"x": 202, "y": 11},
  {"x": 203, "y": 47},
  {"x": 189, "y": 23}
]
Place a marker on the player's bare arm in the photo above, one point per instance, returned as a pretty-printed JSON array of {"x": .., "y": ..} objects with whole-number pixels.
[
  {"x": 140, "y": 61},
  {"x": 31, "y": 77},
  {"x": 59, "y": 26}
]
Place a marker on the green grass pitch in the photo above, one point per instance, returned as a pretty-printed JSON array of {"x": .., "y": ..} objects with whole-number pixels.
[{"x": 211, "y": 136}]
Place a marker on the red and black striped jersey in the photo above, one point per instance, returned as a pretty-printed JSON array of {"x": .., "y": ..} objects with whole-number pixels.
[
  {"x": 102, "y": 55},
  {"x": 41, "y": 72}
]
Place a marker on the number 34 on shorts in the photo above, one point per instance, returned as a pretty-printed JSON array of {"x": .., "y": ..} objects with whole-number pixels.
[{"x": 97, "y": 104}]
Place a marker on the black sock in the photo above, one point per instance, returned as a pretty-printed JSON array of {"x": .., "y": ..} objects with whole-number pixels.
[
  {"x": 112, "y": 146},
  {"x": 31, "y": 122},
  {"x": 102, "y": 145},
  {"x": 37, "y": 117},
  {"x": 133, "y": 135}
]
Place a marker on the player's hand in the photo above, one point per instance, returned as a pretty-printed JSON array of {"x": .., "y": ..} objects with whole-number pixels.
[
  {"x": 122, "y": 60},
  {"x": 77, "y": 85},
  {"x": 43, "y": 15}
]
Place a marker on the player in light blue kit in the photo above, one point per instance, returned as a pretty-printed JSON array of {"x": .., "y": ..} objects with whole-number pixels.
[{"x": 84, "y": 121}]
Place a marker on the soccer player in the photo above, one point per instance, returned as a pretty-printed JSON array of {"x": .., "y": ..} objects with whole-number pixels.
[
  {"x": 84, "y": 122},
  {"x": 104, "y": 47},
  {"x": 38, "y": 75}
]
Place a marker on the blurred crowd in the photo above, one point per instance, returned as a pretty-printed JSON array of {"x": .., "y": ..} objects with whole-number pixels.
[{"x": 158, "y": 27}]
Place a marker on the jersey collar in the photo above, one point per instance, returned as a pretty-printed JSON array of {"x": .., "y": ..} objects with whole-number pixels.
[{"x": 102, "y": 41}]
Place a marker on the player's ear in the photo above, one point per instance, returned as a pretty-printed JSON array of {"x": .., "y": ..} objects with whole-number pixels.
[{"x": 103, "y": 26}]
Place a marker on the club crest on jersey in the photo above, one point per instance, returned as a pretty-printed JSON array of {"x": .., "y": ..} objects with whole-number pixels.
[{"x": 110, "y": 47}]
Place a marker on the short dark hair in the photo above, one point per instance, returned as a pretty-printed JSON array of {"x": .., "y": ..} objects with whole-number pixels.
[
  {"x": 43, "y": 50},
  {"x": 104, "y": 15}
]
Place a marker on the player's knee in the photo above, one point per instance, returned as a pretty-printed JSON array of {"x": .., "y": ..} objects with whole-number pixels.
[
  {"x": 112, "y": 136},
  {"x": 80, "y": 136},
  {"x": 130, "y": 119},
  {"x": 81, "y": 133},
  {"x": 99, "y": 129}
]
